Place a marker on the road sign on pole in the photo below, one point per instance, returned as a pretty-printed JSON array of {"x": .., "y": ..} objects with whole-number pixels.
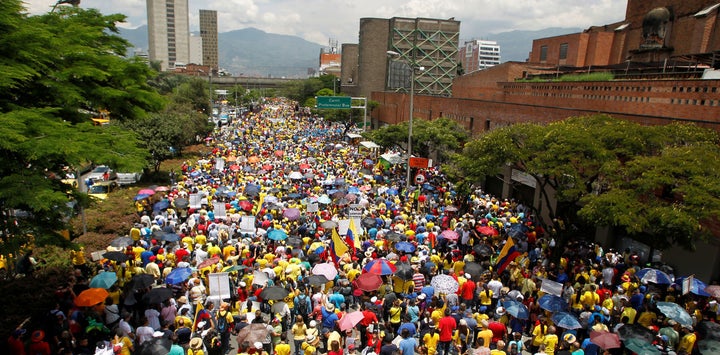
[{"x": 333, "y": 102}]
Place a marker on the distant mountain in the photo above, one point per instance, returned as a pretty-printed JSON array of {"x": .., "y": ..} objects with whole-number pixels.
[
  {"x": 253, "y": 52},
  {"x": 516, "y": 45}
]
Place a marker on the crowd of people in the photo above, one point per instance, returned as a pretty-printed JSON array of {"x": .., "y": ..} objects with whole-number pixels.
[{"x": 320, "y": 248}]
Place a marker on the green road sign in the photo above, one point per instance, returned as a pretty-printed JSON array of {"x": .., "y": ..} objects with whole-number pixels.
[{"x": 333, "y": 102}]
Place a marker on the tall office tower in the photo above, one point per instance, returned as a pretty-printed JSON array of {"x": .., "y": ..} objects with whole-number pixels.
[
  {"x": 209, "y": 35},
  {"x": 168, "y": 32}
]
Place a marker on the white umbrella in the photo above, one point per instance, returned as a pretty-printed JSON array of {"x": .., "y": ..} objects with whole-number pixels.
[
  {"x": 444, "y": 284},
  {"x": 295, "y": 175},
  {"x": 326, "y": 269}
]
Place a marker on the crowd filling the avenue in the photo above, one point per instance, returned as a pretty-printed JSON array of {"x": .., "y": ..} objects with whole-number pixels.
[{"x": 289, "y": 238}]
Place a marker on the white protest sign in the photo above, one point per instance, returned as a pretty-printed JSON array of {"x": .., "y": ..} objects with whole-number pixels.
[
  {"x": 551, "y": 287},
  {"x": 219, "y": 284}
]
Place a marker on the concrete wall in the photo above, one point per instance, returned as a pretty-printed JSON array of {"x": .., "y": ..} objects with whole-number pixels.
[
  {"x": 349, "y": 68},
  {"x": 372, "y": 55}
]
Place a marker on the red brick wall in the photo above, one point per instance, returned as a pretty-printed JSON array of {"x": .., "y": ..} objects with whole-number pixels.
[{"x": 646, "y": 102}]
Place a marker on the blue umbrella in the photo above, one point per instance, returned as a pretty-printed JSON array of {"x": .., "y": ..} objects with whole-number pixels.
[
  {"x": 178, "y": 275},
  {"x": 552, "y": 303},
  {"x": 566, "y": 320},
  {"x": 516, "y": 309},
  {"x": 654, "y": 276},
  {"x": 353, "y": 190},
  {"x": 675, "y": 312},
  {"x": 141, "y": 197},
  {"x": 405, "y": 247},
  {"x": 697, "y": 287},
  {"x": 195, "y": 173},
  {"x": 103, "y": 280},
  {"x": 161, "y": 205},
  {"x": 277, "y": 234},
  {"x": 324, "y": 199},
  {"x": 392, "y": 192}
]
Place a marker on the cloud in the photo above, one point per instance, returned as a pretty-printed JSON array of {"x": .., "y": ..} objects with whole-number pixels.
[{"x": 318, "y": 20}]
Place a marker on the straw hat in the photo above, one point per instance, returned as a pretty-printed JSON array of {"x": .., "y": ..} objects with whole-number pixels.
[{"x": 196, "y": 343}]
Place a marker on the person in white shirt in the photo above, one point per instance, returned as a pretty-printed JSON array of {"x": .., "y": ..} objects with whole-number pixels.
[{"x": 144, "y": 333}]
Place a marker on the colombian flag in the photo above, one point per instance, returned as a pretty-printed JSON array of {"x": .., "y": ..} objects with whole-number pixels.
[
  {"x": 350, "y": 237},
  {"x": 338, "y": 247},
  {"x": 507, "y": 254}
]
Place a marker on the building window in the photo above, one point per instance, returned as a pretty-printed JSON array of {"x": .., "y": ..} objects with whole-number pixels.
[
  {"x": 543, "y": 53},
  {"x": 563, "y": 50}
]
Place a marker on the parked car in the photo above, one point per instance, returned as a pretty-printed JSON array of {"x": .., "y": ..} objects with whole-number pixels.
[
  {"x": 128, "y": 178},
  {"x": 98, "y": 173},
  {"x": 101, "y": 189}
]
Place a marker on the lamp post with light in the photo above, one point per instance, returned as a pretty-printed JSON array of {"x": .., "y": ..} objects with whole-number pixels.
[{"x": 413, "y": 68}]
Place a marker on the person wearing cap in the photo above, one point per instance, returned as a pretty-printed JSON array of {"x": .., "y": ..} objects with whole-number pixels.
[
  {"x": 467, "y": 291},
  {"x": 309, "y": 345}
]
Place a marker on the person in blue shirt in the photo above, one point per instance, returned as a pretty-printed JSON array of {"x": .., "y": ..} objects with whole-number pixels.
[
  {"x": 336, "y": 298},
  {"x": 408, "y": 345},
  {"x": 329, "y": 317},
  {"x": 407, "y": 325}
]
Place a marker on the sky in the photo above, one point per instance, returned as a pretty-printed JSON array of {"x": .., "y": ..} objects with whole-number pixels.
[{"x": 320, "y": 20}]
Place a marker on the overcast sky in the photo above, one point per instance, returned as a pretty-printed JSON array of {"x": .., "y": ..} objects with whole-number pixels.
[{"x": 319, "y": 20}]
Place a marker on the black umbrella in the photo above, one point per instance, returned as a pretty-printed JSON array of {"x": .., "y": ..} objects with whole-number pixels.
[
  {"x": 116, "y": 256},
  {"x": 294, "y": 241},
  {"x": 394, "y": 236},
  {"x": 404, "y": 271},
  {"x": 141, "y": 281},
  {"x": 635, "y": 331},
  {"x": 274, "y": 293},
  {"x": 158, "y": 295},
  {"x": 369, "y": 222},
  {"x": 181, "y": 203},
  {"x": 474, "y": 269},
  {"x": 482, "y": 250},
  {"x": 121, "y": 242},
  {"x": 155, "y": 346},
  {"x": 316, "y": 280}
]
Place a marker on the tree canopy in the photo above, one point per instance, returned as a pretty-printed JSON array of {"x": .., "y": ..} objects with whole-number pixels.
[
  {"x": 653, "y": 182},
  {"x": 437, "y": 138},
  {"x": 55, "y": 71}
]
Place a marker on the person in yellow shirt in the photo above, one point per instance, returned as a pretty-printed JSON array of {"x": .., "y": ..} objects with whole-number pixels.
[
  {"x": 485, "y": 297},
  {"x": 550, "y": 341},
  {"x": 538, "y": 336},
  {"x": 687, "y": 342},
  {"x": 200, "y": 239},
  {"x": 214, "y": 250},
  {"x": 430, "y": 340},
  {"x": 647, "y": 317},
  {"x": 282, "y": 348}
]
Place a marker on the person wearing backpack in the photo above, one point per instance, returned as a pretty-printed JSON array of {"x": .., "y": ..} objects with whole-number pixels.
[
  {"x": 302, "y": 306},
  {"x": 223, "y": 326}
]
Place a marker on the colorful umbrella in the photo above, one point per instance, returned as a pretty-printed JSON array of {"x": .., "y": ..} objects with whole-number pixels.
[
  {"x": 291, "y": 214},
  {"x": 380, "y": 267},
  {"x": 148, "y": 192},
  {"x": 450, "y": 234},
  {"x": 326, "y": 269},
  {"x": 245, "y": 205},
  {"x": 178, "y": 275},
  {"x": 566, "y": 320},
  {"x": 162, "y": 189},
  {"x": 675, "y": 312},
  {"x": 209, "y": 262},
  {"x": 141, "y": 197},
  {"x": 605, "y": 340},
  {"x": 369, "y": 282},
  {"x": 350, "y": 320},
  {"x": 445, "y": 284},
  {"x": 552, "y": 303},
  {"x": 654, "y": 276},
  {"x": 487, "y": 230},
  {"x": 103, "y": 280},
  {"x": 91, "y": 297}
]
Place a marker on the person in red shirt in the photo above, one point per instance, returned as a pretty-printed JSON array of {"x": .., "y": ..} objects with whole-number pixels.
[
  {"x": 499, "y": 331},
  {"x": 15, "y": 342},
  {"x": 446, "y": 327},
  {"x": 369, "y": 317},
  {"x": 467, "y": 291},
  {"x": 38, "y": 345}
]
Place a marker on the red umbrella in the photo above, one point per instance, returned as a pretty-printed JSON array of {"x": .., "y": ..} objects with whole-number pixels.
[
  {"x": 146, "y": 192},
  {"x": 350, "y": 320},
  {"x": 487, "y": 230},
  {"x": 605, "y": 340},
  {"x": 234, "y": 167},
  {"x": 245, "y": 205},
  {"x": 450, "y": 234},
  {"x": 254, "y": 159},
  {"x": 267, "y": 167},
  {"x": 304, "y": 166},
  {"x": 208, "y": 262},
  {"x": 380, "y": 267},
  {"x": 369, "y": 282},
  {"x": 279, "y": 153}
]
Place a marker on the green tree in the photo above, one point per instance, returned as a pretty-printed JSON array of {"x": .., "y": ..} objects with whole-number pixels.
[
  {"x": 55, "y": 68},
  {"x": 599, "y": 171},
  {"x": 437, "y": 139}
]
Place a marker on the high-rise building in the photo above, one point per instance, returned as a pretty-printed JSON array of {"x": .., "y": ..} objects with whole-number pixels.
[
  {"x": 479, "y": 54},
  {"x": 168, "y": 32},
  {"x": 209, "y": 34},
  {"x": 420, "y": 42}
]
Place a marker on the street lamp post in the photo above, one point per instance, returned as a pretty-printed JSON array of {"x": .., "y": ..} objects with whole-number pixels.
[{"x": 413, "y": 67}]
